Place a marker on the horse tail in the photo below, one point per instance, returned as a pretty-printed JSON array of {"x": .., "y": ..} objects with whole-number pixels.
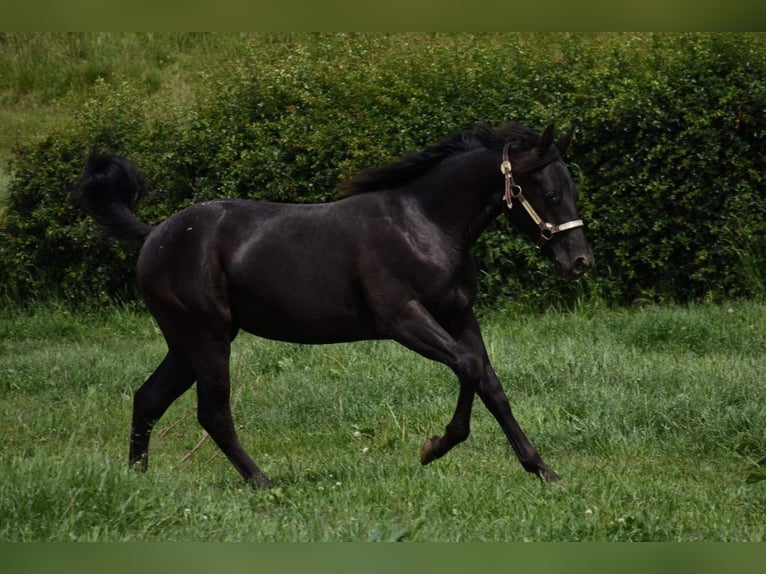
[{"x": 109, "y": 191}]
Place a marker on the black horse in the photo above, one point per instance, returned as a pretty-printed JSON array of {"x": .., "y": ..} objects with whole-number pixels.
[{"x": 390, "y": 260}]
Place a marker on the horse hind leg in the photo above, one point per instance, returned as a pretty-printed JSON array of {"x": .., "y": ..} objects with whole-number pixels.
[
  {"x": 168, "y": 382},
  {"x": 214, "y": 410}
]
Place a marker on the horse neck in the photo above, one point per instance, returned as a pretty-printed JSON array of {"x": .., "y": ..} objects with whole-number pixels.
[{"x": 462, "y": 195}]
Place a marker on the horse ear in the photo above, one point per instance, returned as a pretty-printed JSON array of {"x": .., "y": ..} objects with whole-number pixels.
[
  {"x": 563, "y": 143},
  {"x": 546, "y": 139}
]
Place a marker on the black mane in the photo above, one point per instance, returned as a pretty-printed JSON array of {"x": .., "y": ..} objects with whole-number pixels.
[{"x": 415, "y": 164}]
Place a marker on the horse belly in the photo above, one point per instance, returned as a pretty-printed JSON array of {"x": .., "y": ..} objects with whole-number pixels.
[
  {"x": 292, "y": 303},
  {"x": 303, "y": 321}
]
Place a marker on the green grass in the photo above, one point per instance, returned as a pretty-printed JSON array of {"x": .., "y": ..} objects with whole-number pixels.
[{"x": 655, "y": 417}]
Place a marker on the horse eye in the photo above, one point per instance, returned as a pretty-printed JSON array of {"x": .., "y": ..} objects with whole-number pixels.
[{"x": 553, "y": 197}]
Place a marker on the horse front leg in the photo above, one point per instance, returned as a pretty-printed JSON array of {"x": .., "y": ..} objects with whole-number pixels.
[
  {"x": 494, "y": 398},
  {"x": 464, "y": 352},
  {"x": 418, "y": 330},
  {"x": 456, "y": 431}
]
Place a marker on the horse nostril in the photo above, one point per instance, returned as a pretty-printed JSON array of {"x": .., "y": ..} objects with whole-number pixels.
[{"x": 580, "y": 265}]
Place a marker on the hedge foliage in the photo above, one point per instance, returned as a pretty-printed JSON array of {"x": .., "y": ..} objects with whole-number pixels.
[{"x": 668, "y": 155}]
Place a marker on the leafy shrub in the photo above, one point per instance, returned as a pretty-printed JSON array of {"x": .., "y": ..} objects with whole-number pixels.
[
  {"x": 675, "y": 161},
  {"x": 668, "y": 155}
]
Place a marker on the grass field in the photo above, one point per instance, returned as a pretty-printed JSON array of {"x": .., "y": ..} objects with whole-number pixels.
[{"x": 655, "y": 417}]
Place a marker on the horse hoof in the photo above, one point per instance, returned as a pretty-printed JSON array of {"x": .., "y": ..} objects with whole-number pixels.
[
  {"x": 428, "y": 450},
  {"x": 547, "y": 475},
  {"x": 261, "y": 481}
]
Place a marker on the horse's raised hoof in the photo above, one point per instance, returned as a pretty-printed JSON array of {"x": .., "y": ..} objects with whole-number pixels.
[{"x": 428, "y": 450}]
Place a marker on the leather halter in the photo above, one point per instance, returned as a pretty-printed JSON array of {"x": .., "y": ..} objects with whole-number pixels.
[{"x": 513, "y": 191}]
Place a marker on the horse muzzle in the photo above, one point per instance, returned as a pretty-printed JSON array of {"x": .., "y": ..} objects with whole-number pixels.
[{"x": 574, "y": 268}]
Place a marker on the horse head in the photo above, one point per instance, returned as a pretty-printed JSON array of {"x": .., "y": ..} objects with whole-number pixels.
[{"x": 540, "y": 200}]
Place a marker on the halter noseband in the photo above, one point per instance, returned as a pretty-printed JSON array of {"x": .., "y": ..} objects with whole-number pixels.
[{"x": 513, "y": 191}]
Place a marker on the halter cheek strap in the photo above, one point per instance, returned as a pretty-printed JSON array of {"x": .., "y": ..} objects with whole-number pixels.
[{"x": 513, "y": 191}]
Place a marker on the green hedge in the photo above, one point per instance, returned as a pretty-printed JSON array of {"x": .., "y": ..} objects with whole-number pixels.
[{"x": 668, "y": 155}]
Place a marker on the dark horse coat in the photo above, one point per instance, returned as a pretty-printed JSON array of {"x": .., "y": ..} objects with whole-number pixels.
[{"x": 391, "y": 260}]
